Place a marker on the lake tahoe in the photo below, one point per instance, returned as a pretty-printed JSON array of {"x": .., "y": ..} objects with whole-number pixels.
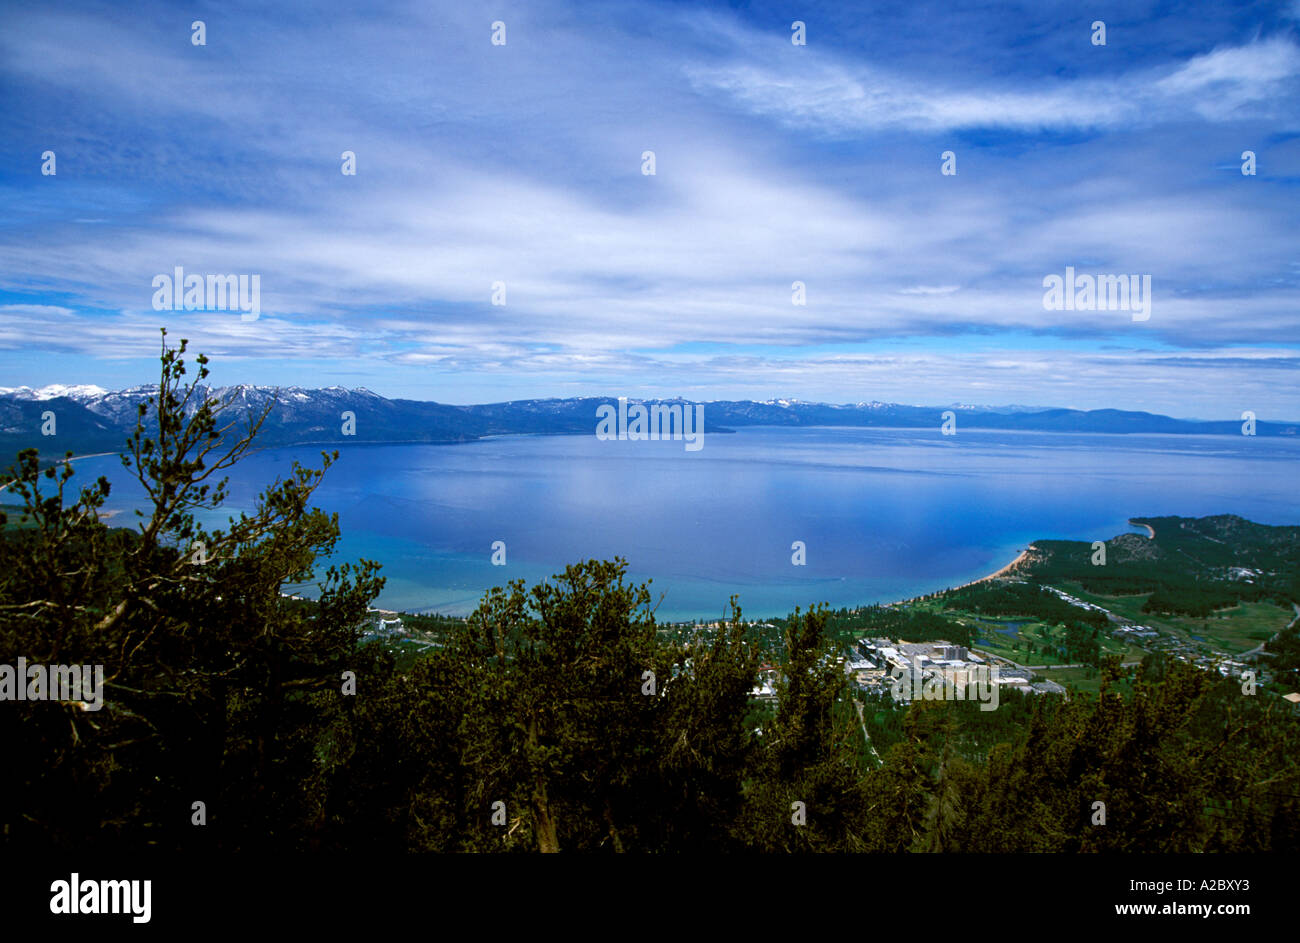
[
  {"x": 884, "y": 514},
  {"x": 706, "y": 430}
]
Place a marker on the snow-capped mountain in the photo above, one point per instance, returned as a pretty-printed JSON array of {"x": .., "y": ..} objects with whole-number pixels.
[
  {"x": 80, "y": 393},
  {"x": 90, "y": 419}
]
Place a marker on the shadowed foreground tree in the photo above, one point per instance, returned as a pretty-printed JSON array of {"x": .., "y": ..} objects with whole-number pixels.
[
  {"x": 561, "y": 720},
  {"x": 1186, "y": 763},
  {"x": 213, "y": 680},
  {"x": 806, "y": 788},
  {"x": 558, "y": 719}
]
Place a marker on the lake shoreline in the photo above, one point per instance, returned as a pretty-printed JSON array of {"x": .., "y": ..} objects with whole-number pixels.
[
  {"x": 999, "y": 574},
  {"x": 1151, "y": 531},
  {"x": 103, "y": 515},
  {"x": 995, "y": 575},
  {"x": 887, "y": 518}
]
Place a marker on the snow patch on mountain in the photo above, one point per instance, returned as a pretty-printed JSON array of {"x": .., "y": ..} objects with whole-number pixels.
[{"x": 79, "y": 392}]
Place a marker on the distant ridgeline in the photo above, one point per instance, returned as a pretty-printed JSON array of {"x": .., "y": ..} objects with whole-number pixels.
[
  {"x": 88, "y": 419},
  {"x": 1192, "y": 566}
]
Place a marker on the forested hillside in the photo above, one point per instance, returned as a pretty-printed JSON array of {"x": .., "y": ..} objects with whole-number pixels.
[{"x": 1191, "y": 565}]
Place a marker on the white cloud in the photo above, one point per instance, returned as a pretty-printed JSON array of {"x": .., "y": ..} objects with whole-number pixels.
[
  {"x": 929, "y": 290},
  {"x": 840, "y": 97}
]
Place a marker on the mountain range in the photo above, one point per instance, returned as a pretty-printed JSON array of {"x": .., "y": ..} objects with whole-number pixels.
[{"x": 89, "y": 419}]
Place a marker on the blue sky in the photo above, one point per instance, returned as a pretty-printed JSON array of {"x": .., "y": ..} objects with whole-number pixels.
[{"x": 775, "y": 163}]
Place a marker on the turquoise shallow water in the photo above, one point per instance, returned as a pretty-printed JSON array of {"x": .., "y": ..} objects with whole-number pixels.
[{"x": 884, "y": 513}]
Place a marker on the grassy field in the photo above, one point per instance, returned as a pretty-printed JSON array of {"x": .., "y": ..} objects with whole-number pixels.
[
  {"x": 1085, "y": 680},
  {"x": 1012, "y": 638},
  {"x": 1231, "y": 631},
  {"x": 1078, "y": 680}
]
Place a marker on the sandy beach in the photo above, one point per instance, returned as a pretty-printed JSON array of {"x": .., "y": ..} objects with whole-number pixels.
[
  {"x": 1002, "y": 572},
  {"x": 997, "y": 574},
  {"x": 75, "y": 458},
  {"x": 103, "y": 515}
]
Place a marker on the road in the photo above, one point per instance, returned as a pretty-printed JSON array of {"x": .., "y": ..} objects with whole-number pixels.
[
  {"x": 866, "y": 736},
  {"x": 1259, "y": 649},
  {"x": 1015, "y": 664}
]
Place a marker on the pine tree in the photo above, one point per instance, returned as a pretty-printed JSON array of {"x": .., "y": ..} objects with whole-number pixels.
[{"x": 215, "y": 683}]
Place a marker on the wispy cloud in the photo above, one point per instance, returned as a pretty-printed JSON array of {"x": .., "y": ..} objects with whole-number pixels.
[
  {"x": 1250, "y": 81},
  {"x": 930, "y": 290},
  {"x": 775, "y": 164}
]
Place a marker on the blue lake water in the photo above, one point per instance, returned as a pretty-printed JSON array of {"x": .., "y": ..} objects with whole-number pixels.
[{"x": 885, "y": 514}]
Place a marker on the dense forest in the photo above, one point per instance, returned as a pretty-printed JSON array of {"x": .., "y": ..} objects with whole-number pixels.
[
  {"x": 1191, "y": 566},
  {"x": 1284, "y": 652},
  {"x": 910, "y": 625},
  {"x": 558, "y": 717},
  {"x": 1021, "y": 599}
]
